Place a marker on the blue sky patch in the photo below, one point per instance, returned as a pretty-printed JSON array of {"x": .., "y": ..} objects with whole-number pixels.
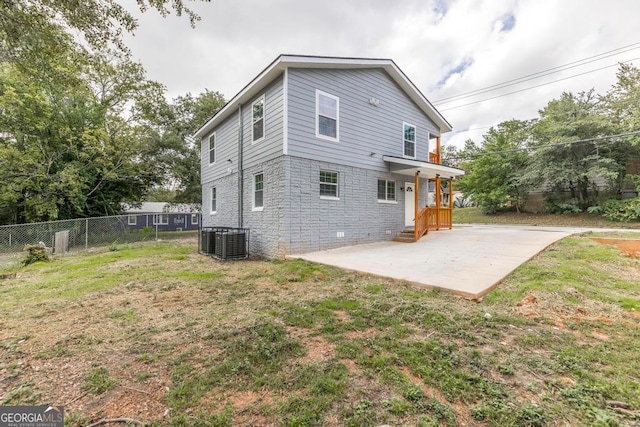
[
  {"x": 458, "y": 69},
  {"x": 508, "y": 22}
]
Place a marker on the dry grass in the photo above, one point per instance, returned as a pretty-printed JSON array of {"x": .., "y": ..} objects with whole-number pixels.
[{"x": 186, "y": 340}]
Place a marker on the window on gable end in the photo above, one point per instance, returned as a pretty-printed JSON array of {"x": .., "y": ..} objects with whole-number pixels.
[
  {"x": 257, "y": 129},
  {"x": 409, "y": 140},
  {"x": 212, "y": 149},
  {"x": 327, "y": 116}
]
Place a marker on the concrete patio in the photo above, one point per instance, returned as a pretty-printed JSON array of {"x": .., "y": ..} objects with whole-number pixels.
[{"x": 469, "y": 260}]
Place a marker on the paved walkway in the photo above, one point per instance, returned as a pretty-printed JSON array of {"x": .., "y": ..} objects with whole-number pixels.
[{"x": 469, "y": 260}]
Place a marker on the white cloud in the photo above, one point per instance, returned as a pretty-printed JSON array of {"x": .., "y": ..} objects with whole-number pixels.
[{"x": 428, "y": 39}]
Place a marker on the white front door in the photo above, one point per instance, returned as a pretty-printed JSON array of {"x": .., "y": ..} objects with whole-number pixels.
[{"x": 409, "y": 203}]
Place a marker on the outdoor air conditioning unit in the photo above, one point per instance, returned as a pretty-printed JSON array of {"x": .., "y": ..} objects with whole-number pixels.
[{"x": 232, "y": 243}]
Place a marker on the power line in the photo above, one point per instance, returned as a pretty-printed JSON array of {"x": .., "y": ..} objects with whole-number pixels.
[
  {"x": 555, "y": 144},
  {"x": 536, "y": 86},
  {"x": 539, "y": 74}
]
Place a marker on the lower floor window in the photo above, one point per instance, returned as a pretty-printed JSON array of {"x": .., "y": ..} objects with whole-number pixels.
[
  {"x": 258, "y": 191},
  {"x": 328, "y": 184},
  {"x": 386, "y": 190},
  {"x": 161, "y": 219},
  {"x": 195, "y": 218},
  {"x": 214, "y": 200},
  {"x": 132, "y": 220}
]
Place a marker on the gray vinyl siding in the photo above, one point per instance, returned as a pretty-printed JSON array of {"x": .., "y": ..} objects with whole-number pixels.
[
  {"x": 226, "y": 148},
  {"x": 227, "y": 136},
  {"x": 271, "y": 146},
  {"x": 363, "y": 128}
]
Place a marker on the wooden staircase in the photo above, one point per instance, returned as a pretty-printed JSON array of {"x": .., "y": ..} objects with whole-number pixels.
[{"x": 405, "y": 236}]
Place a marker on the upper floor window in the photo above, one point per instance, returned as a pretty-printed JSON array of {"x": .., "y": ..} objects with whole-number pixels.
[
  {"x": 258, "y": 191},
  {"x": 386, "y": 190},
  {"x": 327, "y": 116},
  {"x": 409, "y": 140},
  {"x": 214, "y": 200},
  {"x": 328, "y": 184},
  {"x": 257, "y": 129},
  {"x": 212, "y": 149}
]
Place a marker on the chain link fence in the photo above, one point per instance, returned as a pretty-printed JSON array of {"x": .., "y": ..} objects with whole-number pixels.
[{"x": 85, "y": 233}]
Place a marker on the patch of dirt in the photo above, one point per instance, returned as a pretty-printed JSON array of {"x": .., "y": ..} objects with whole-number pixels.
[
  {"x": 363, "y": 333},
  {"x": 630, "y": 247},
  {"x": 243, "y": 399},
  {"x": 342, "y": 316},
  {"x": 318, "y": 350}
]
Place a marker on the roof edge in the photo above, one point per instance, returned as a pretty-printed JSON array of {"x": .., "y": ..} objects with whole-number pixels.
[{"x": 299, "y": 61}]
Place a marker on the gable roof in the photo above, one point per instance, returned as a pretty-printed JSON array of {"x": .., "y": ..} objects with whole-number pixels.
[{"x": 303, "y": 61}]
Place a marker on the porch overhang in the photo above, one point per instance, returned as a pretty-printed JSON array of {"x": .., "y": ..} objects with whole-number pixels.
[{"x": 409, "y": 167}]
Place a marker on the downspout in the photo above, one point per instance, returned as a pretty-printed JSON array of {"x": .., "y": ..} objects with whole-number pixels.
[{"x": 240, "y": 166}]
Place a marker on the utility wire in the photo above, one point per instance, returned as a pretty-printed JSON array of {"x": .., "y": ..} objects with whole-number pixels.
[
  {"x": 539, "y": 74},
  {"x": 536, "y": 86},
  {"x": 555, "y": 144}
]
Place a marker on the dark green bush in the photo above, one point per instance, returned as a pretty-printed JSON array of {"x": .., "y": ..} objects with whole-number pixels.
[
  {"x": 568, "y": 206},
  {"x": 622, "y": 210}
]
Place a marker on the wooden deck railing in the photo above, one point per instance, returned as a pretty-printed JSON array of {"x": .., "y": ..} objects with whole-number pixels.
[
  {"x": 445, "y": 218},
  {"x": 433, "y": 157},
  {"x": 422, "y": 223},
  {"x": 432, "y": 219}
]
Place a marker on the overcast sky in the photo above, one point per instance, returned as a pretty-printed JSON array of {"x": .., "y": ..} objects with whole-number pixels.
[{"x": 446, "y": 47}]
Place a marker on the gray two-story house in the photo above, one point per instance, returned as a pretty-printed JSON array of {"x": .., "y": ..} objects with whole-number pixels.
[{"x": 320, "y": 152}]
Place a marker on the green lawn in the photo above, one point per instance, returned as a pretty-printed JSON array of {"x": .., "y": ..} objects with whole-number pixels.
[
  {"x": 475, "y": 216},
  {"x": 155, "y": 332}
]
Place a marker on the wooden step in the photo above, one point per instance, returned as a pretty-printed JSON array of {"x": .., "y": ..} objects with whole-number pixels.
[{"x": 406, "y": 236}]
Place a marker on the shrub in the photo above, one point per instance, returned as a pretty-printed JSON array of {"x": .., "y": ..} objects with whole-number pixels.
[
  {"x": 568, "y": 206},
  {"x": 35, "y": 253},
  {"x": 622, "y": 210}
]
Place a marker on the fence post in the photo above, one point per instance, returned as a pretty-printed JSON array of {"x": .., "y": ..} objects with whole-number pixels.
[
  {"x": 86, "y": 234},
  {"x": 156, "y": 231}
]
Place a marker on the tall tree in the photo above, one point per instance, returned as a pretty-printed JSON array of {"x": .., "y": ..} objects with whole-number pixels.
[
  {"x": 494, "y": 178},
  {"x": 34, "y": 33},
  {"x": 561, "y": 165},
  {"x": 175, "y": 147},
  {"x": 75, "y": 150}
]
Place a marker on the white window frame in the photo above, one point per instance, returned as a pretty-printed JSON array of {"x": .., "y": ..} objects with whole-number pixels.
[
  {"x": 264, "y": 127},
  {"x": 214, "y": 192},
  {"x": 161, "y": 217},
  {"x": 386, "y": 191},
  {"x": 320, "y": 93},
  {"x": 196, "y": 217},
  {"x": 254, "y": 207},
  {"x": 215, "y": 157},
  {"x": 337, "y": 185},
  {"x": 134, "y": 218},
  {"x": 415, "y": 142}
]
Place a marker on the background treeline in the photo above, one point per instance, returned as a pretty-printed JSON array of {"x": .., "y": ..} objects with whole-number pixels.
[
  {"x": 582, "y": 153},
  {"x": 82, "y": 129}
]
